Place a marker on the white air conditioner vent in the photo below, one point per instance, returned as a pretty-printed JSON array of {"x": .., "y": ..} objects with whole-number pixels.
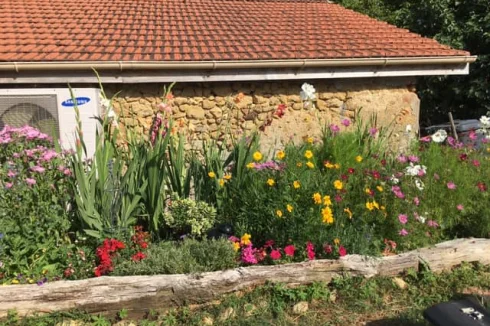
[{"x": 52, "y": 112}]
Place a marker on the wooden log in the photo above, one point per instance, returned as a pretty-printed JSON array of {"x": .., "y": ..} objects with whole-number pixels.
[{"x": 140, "y": 293}]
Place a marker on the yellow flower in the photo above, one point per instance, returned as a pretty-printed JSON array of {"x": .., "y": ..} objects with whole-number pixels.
[
  {"x": 308, "y": 154},
  {"x": 296, "y": 184},
  {"x": 327, "y": 215},
  {"x": 289, "y": 208},
  {"x": 212, "y": 175},
  {"x": 359, "y": 158},
  {"x": 317, "y": 198},
  {"x": 246, "y": 239},
  {"x": 257, "y": 156},
  {"x": 488, "y": 149},
  {"x": 236, "y": 246},
  {"x": 337, "y": 166},
  {"x": 310, "y": 165},
  {"x": 30, "y": 281},
  {"x": 271, "y": 182},
  {"x": 251, "y": 165},
  {"x": 299, "y": 164},
  {"x": 15, "y": 281},
  {"x": 382, "y": 208},
  {"x": 347, "y": 210},
  {"x": 221, "y": 182},
  {"x": 279, "y": 213},
  {"x": 329, "y": 165},
  {"x": 372, "y": 205},
  {"x": 309, "y": 140},
  {"x": 375, "y": 204},
  {"x": 327, "y": 201},
  {"x": 336, "y": 241},
  {"x": 227, "y": 177},
  {"x": 338, "y": 184},
  {"x": 281, "y": 155},
  {"x": 380, "y": 189},
  {"x": 367, "y": 191}
]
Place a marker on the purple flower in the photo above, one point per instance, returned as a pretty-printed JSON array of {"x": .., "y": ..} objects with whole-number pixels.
[
  {"x": 334, "y": 128},
  {"x": 403, "y": 218},
  {"x": 30, "y": 181},
  {"x": 373, "y": 131},
  {"x": 403, "y": 232},
  {"x": 413, "y": 158},
  {"x": 345, "y": 122},
  {"x": 451, "y": 185},
  {"x": 402, "y": 158}
]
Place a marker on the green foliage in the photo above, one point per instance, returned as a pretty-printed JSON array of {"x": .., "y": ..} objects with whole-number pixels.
[
  {"x": 463, "y": 24},
  {"x": 187, "y": 216},
  {"x": 188, "y": 256}
]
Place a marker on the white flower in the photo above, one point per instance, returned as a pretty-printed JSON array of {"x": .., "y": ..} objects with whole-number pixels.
[
  {"x": 307, "y": 92},
  {"x": 394, "y": 180},
  {"x": 414, "y": 170},
  {"x": 105, "y": 103},
  {"x": 439, "y": 136},
  {"x": 408, "y": 129},
  {"x": 485, "y": 121},
  {"x": 422, "y": 219},
  {"x": 419, "y": 184},
  {"x": 111, "y": 114}
]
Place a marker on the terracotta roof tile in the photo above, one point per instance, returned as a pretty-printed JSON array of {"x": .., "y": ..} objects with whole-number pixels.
[{"x": 195, "y": 30}]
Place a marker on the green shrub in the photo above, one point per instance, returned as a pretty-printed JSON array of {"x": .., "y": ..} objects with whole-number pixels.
[{"x": 188, "y": 256}]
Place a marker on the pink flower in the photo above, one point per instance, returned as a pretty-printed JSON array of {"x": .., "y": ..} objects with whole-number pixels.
[
  {"x": 289, "y": 250},
  {"x": 426, "y": 139},
  {"x": 30, "y": 181},
  {"x": 472, "y": 135},
  {"x": 416, "y": 201},
  {"x": 451, "y": 185},
  {"x": 432, "y": 224},
  {"x": 373, "y": 131},
  {"x": 334, "y": 128},
  {"x": 460, "y": 207},
  {"x": 328, "y": 248},
  {"x": 403, "y": 218},
  {"x": 11, "y": 174},
  {"x": 310, "y": 249},
  {"x": 436, "y": 176},
  {"x": 164, "y": 107},
  {"x": 275, "y": 254},
  {"x": 49, "y": 155},
  {"x": 233, "y": 239},
  {"x": 342, "y": 251},
  {"x": 413, "y": 158},
  {"x": 476, "y": 163},
  {"x": 67, "y": 171},
  {"x": 38, "y": 169},
  {"x": 248, "y": 255},
  {"x": 403, "y": 232},
  {"x": 8, "y": 185},
  {"x": 402, "y": 158},
  {"x": 338, "y": 198},
  {"x": 345, "y": 122}
]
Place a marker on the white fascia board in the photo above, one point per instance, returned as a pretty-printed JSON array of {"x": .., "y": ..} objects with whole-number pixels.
[{"x": 167, "y": 76}]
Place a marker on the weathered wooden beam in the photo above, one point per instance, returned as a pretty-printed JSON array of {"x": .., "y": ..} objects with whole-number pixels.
[{"x": 140, "y": 293}]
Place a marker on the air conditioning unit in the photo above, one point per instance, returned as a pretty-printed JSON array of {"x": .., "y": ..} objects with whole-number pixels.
[{"x": 51, "y": 110}]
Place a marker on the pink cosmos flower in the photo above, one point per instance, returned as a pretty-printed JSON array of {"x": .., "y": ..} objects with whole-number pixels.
[
  {"x": 30, "y": 181},
  {"x": 38, "y": 169},
  {"x": 289, "y": 250},
  {"x": 432, "y": 224},
  {"x": 403, "y": 218},
  {"x": 275, "y": 254},
  {"x": 345, "y": 122},
  {"x": 451, "y": 185},
  {"x": 416, "y": 201},
  {"x": 403, "y": 232},
  {"x": 460, "y": 207}
]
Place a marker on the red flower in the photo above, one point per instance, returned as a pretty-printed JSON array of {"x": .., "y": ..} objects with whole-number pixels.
[
  {"x": 383, "y": 162},
  {"x": 328, "y": 248},
  {"x": 351, "y": 170},
  {"x": 138, "y": 256},
  {"x": 482, "y": 186},
  {"x": 144, "y": 245},
  {"x": 275, "y": 254},
  {"x": 376, "y": 175},
  {"x": 342, "y": 251},
  {"x": 463, "y": 157},
  {"x": 289, "y": 250},
  {"x": 281, "y": 110},
  {"x": 344, "y": 177},
  {"x": 310, "y": 249},
  {"x": 269, "y": 243}
]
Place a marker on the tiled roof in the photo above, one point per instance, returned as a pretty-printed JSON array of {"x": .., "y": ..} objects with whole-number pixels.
[{"x": 199, "y": 30}]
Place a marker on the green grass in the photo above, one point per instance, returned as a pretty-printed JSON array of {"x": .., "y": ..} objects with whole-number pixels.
[{"x": 345, "y": 301}]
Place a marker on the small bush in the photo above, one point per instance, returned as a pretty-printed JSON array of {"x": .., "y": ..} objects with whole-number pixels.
[{"x": 188, "y": 256}]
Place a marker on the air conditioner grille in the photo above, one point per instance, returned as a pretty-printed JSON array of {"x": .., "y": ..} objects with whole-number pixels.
[{"x": 39, "y": 111}]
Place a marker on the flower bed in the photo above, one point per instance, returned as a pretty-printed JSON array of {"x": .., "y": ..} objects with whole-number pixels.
[{"x": 64, "y": 216}]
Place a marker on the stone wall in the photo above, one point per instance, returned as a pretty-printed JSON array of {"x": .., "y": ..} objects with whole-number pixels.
[{"x": 210, "y": 109}]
